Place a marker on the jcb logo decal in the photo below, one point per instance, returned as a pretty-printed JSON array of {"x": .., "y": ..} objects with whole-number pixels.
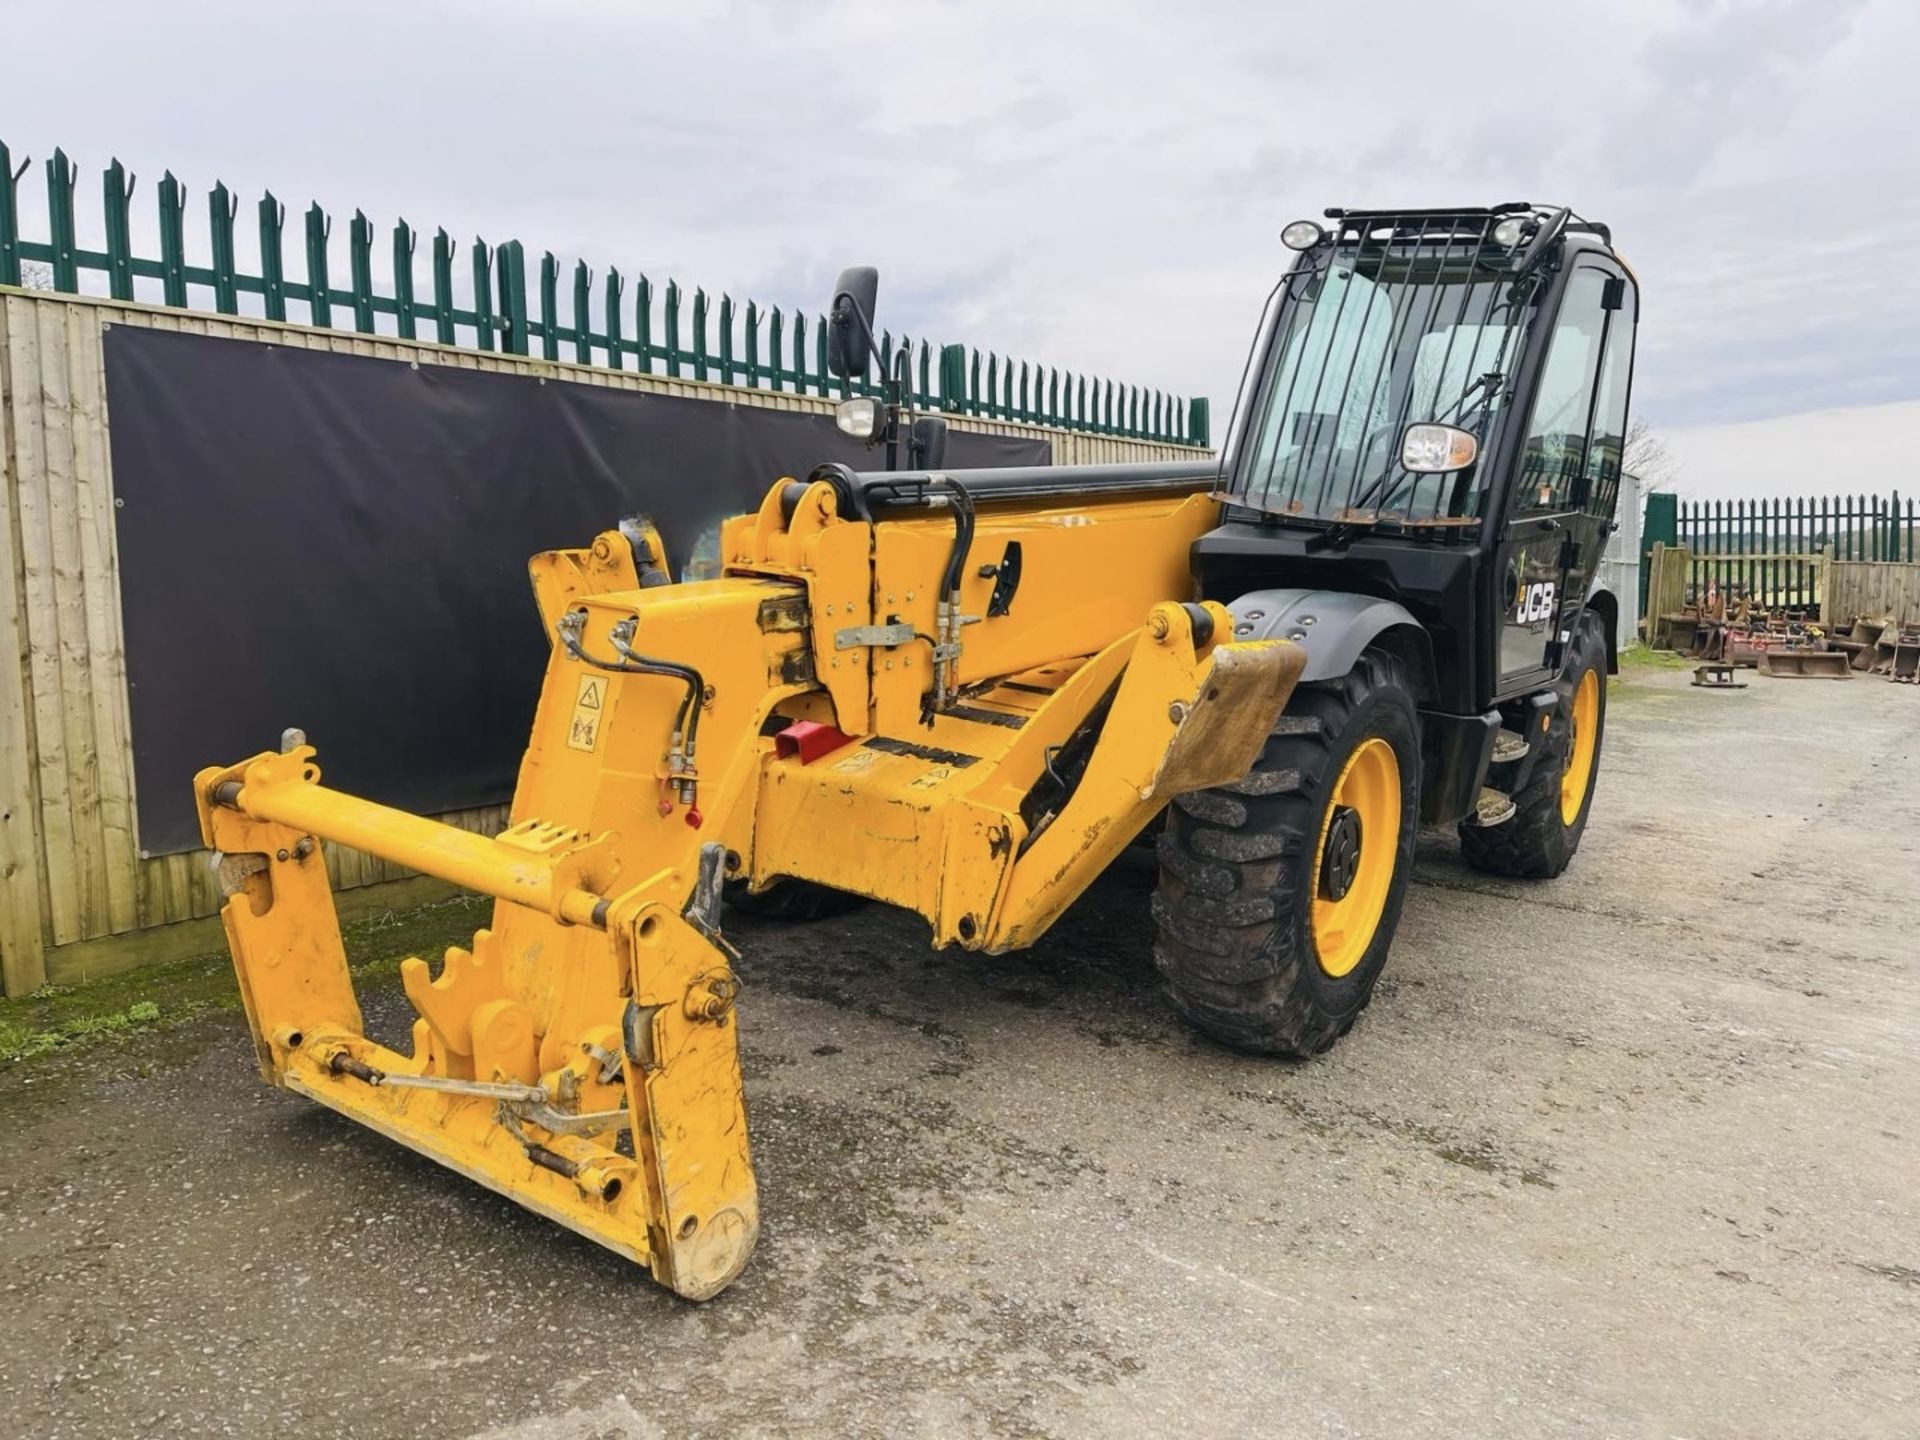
[{"x": 1534, "y": 602}]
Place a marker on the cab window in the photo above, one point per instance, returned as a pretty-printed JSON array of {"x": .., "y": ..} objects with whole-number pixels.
[{"x": 1554, "y": 460}]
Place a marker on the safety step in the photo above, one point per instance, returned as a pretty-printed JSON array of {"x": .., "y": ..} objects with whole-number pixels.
[
  {"x": 1494, "y": 807},
  {"x": 1508, "y": 747}
]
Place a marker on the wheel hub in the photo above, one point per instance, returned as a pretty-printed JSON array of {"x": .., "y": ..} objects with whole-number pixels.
[{"x": 1340, "y": 861}]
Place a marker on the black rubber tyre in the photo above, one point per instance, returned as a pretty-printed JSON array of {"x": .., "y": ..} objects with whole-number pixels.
[
  {"x": 789, "y": 900},
  {"x": 1537, "y": 842},
  {"x": 1234, "y": 908}
]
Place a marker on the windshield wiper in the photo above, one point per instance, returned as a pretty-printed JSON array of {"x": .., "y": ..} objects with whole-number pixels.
[{"x": 1485, "y": 382}]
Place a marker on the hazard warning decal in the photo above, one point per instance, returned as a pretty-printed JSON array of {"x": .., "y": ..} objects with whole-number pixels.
[{"x": 589, "y": 706}]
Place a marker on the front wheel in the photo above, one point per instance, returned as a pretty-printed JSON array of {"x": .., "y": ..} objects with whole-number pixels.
[
  {"x": 1279, "y": 895},
  {"x": 1550, "y": 812}
]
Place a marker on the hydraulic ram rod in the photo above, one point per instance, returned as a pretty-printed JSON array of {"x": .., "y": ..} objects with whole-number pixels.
[{"x": 473, "y": 862}]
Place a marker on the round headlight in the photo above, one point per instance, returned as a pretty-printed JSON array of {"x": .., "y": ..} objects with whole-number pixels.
[
  {"x": 1508, "y": 232},
  {"x": 1301, "y": 235}
]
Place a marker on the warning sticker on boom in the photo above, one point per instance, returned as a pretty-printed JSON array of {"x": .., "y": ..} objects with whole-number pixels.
[{"x": 589, "y": 706}]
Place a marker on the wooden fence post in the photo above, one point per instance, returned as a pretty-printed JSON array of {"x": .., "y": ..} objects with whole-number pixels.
[{"x": 23, "y": 964}]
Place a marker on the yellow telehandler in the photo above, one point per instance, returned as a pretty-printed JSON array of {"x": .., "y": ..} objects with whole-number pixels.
[{"x": 964, "y": 693}]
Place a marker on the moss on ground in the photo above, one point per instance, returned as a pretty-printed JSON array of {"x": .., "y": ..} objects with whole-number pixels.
[
  {"x": 59, "y": 1018},
  {"x": 1641, "y": 657}
]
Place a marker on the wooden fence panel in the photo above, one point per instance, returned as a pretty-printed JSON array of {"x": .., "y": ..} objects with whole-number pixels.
[
  {"x": 71, "y": 875},
  {"x": 1874, "y": 588}
]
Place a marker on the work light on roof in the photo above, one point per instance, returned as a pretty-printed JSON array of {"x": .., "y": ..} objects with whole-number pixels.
[
  {"x": 1509, "y": 231},
  {"x": 1301, "y": 235}
]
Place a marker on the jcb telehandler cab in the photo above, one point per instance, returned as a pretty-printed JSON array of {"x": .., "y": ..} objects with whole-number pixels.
[{"x": 965, "y": 693}]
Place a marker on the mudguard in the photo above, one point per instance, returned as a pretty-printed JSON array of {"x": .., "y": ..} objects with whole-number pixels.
[{"x": 1332, "y": 626}]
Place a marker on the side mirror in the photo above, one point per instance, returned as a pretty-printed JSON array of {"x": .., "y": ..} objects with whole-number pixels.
[
  {"x": 850, "y": 321},
  {"x": 1535, "y": 254},
  {"x": 927, "y": 448}
]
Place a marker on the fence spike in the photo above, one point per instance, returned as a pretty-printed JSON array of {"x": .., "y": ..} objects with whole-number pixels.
[
  {"x": 615, "y": 286},
  {"x": 726, "y": 338},
  {"x": 751, "y": 336},
  {"x": 774, "y": 336},
  {"x": 671, "y": 318},
  {"x": 360, "y": 268},
  {"x": 643, "y": 325},
  {"x": 9, "y": 217},
  {"x": 582, "y": 313},
  {"x": 118, "y": 197},
  {"x": 273, "y": 264},
  {"x": 172, "y": 198},
  {"x": 443, "y": 330},
  {"x": 222, "y": 208},
  {"x": 483, "y": 314},
  {"x": 319, "y": 287},
  {"x": 511, "y": 261},
  {"x": 405, "y": 241},
  {"x": 61, "y": 178},
  {"x": 699, "y": 333},
  {"x": 953, "y": 379},
  {"x": 549, "y": 322}
]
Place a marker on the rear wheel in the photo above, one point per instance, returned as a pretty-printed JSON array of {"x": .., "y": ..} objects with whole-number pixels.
[
  {"x": 1279, "y": 895},
  {"x": 1550, "y": 812}
]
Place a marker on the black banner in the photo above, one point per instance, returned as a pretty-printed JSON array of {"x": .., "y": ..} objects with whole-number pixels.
[{"x": 340, "y": 543}]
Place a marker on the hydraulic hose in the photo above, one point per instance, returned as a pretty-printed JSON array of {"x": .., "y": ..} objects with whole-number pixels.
[{"x": 687, "y": 718}]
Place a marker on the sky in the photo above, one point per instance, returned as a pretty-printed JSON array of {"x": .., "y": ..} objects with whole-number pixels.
[{"x": 1094, "y": 186}]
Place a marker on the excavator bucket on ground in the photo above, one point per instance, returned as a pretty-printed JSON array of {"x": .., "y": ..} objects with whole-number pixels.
[{"x": 960, "y": 698}]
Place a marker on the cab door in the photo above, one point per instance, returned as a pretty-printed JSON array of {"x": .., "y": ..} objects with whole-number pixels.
[{"x": 1553, "y": 531}]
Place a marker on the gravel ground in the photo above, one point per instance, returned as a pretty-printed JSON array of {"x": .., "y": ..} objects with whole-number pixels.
[{"x": 1632, "y": 1153}]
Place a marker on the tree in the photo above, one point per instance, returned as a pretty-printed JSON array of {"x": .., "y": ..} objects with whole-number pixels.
[{"x": 1647, "y": 457}]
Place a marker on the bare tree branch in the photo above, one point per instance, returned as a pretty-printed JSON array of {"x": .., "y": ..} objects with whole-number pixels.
[{"x": 1646, "y": 456}]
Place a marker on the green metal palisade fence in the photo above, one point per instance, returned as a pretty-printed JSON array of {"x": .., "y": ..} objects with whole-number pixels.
[
  {"x": 730, "y": 344},
  {"x": 1766, "y": 548}
]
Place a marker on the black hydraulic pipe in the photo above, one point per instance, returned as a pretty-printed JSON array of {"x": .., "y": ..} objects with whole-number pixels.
[{"x": 1024, "y": 482}]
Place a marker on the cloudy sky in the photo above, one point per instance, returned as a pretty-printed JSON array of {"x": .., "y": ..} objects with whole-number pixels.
[{"x": 1091, "y": 185}]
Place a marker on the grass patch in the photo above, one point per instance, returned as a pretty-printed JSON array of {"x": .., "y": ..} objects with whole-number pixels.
[
  {"x": 58, "y": 1018},
  {"x": 1639, "y": 656}
]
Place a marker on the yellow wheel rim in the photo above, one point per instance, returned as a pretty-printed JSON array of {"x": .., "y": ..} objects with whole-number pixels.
[
  {"x": 1350, "y": 884},
  {"x": 1578, "y": 775}
]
